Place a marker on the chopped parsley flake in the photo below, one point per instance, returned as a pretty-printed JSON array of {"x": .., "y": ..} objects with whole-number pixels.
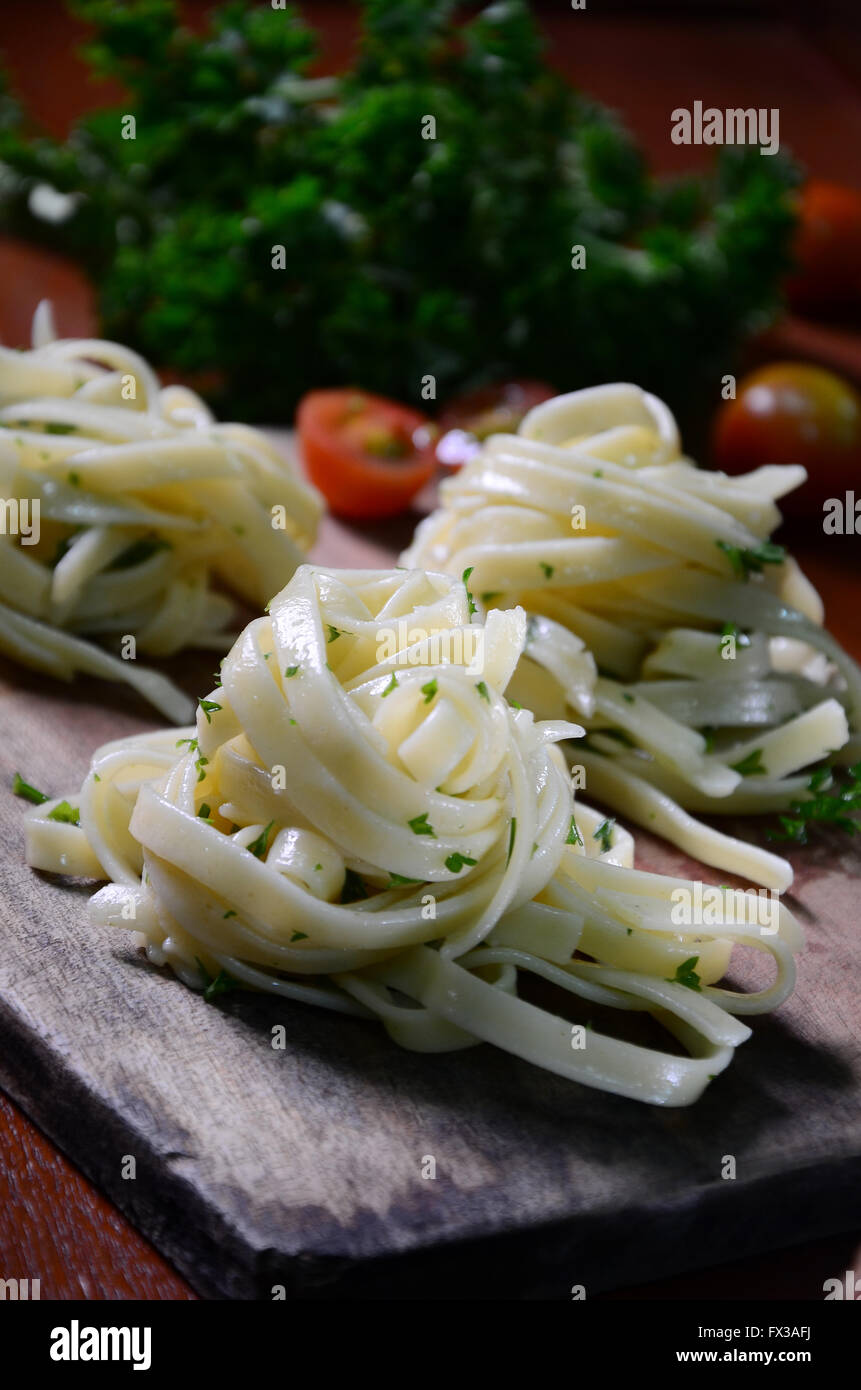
[
  {"x": 456, "y": 862},
  {"x": 686, "y": 974},
  {"x": 24, "y": 789},
  {"x": 392, "y": 685},
  {"x": 291, "y": 670},
  {"x": 483, "y": 691},
  {"x": 68, "y": 815},
  {"x": 429, "y": 690},
  {"x": 828, "y": 805},
  {"x": 574, "y": 836},
  {"x": 604, "y": 833},
  {"x": 751, "y": 766},
  {"x": 209, "y": 708},
  {"x": 258, "y": 846},
  {"x": 548, "y": 570},
  {"x": 465, "y": 577},
  {"x": 747, "y": 562},
  {"x": 299, "y": 936},
  {"x": 222, "y": 984},
  {"x": 419, "y": 825}
]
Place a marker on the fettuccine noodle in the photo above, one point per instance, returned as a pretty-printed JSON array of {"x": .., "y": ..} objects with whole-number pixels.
[
  {"x": 360, "y": 820},
  {"x": 700, "y": 666},
  {"x": 143, "y": 499}
]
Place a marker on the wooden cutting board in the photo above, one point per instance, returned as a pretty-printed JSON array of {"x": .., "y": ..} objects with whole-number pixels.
[{"x": 259, "y": 1169}]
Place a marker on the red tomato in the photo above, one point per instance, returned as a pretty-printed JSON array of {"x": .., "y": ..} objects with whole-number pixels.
[
  {"x": 794, "y": 413},
  {"x": 367, "y": 455},
  {"x": 827, "y": 248},
  {"x": 469, "y": 419}
]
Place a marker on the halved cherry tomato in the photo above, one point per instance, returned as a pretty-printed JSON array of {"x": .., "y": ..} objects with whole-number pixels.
[
  {"x": 367, "y": 455},
  {"x": 469, "y": 419},
  {"x": 827, "y": 248},
  {"x": 793, "y": 413}
]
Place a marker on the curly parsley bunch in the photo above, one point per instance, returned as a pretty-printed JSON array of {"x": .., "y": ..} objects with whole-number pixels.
[{"x": 403, "y": 255}]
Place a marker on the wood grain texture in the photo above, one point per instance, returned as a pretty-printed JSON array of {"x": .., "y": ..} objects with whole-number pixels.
[{"x": 303, "y": 1167}]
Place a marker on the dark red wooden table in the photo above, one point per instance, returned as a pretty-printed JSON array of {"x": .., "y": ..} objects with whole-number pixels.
[{"x": 54, "y": 1225}]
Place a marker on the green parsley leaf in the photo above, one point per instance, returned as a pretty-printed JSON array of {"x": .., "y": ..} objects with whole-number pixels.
[
  {"x": 429, "y": 690},
  {"x": 209, "y": 708},
  {"x": 465, "y": 577},
  {"x": 392, "y": 685},
  {"x": 69, "y": 815},
  {"x": 483, "y": 691},
  {"x": 747, "y": 562},
  {"x": 829, "y": 804},
  {"x": 258, "y": 846},
  {"x": 419, "y": 825},
  {"x": 574, "y": 836},
  {"x": 686, "y": 974},
  {"x": 604, "y": 833},
  {"x": 24, "y": 789},
  {"x": 222, "y": 984},
  {"x": 751, "y": 766},
  {"x": 456, "y": 862}
]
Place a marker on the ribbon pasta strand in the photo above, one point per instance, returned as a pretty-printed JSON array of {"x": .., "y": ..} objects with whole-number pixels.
[{"x": 360, "y": 820}]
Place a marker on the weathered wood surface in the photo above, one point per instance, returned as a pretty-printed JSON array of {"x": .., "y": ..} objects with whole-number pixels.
[{"x": 303, "y": 1167}]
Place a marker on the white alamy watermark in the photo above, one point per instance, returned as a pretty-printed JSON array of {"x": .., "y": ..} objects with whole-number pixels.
[
  {"x": 20, "y": 1290},
  {"x": 21, "y": 516},
  {"x": 842, "y": 517},
  {"x": 77, "y": 1343},
  {"x": 708, "y": 125},
  {"x": 417, "y": 646},
  {"x": 703, "y": 905}
]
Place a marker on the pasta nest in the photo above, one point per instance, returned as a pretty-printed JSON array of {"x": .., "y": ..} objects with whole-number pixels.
[
  {"x": 662, "y": 615},
  {"x": 361, "y": 820},
  {"x": 145, "y": 502}
]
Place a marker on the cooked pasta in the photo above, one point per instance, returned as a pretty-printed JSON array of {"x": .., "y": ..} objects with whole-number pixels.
[
  {"x": 712, "y": 684},
  {"x": 143, "y": 499},
  {"x": 362, "y": 821}
]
